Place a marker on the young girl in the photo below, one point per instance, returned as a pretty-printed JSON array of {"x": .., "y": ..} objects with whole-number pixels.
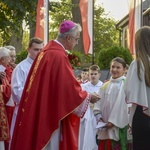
[
  {"x": 137, "y": 89},
  {"x": 113, "y": 109}
]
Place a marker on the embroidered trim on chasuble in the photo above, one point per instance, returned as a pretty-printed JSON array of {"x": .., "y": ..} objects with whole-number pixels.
[
  {"x": 34, "y": 71},
  {"x": 4, "y": 127},
  {"x": 31, "y": 80}
]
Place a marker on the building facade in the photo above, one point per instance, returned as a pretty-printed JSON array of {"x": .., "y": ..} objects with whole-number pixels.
[{"x": 122, "y": 25}]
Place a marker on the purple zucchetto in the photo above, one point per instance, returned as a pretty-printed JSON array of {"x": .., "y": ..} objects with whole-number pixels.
[{"x": 66, "y": 26}]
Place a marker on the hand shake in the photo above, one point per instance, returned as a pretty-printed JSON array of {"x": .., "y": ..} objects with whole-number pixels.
[{"x": 94, "y": 97}]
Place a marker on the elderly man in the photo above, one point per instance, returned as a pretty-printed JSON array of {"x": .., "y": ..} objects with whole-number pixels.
[
  {"x": 52, "y": 100},
  {"x": 9, "y": 68},
  {"x": 5, "y": 92},
  {"x": 12, "y": 56}
]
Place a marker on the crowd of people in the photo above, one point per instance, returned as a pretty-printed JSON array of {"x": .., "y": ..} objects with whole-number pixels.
[{"x": 44, "y": 106}]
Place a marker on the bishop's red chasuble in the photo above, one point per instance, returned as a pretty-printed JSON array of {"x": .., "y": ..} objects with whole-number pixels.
[{"x": 50, "y": 96}]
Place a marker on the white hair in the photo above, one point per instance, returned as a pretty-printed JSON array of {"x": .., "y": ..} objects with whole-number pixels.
[
  {"x": 11, "y": 48},
  {"x": 4, "y": 52}
]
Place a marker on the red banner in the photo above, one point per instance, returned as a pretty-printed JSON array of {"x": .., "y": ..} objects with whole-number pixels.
[
  {"x": 135, "y": 18},
  {"x": 87, "y": 24},
  {"x": 39, "y": 32}
]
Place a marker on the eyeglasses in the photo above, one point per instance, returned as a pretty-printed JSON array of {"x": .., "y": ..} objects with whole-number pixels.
[{"x": 77, "y": 39}]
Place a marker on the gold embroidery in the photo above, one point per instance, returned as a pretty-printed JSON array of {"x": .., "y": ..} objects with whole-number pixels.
[
  {"x": 34, "y": 71},
  {"x": 29, "y": 85},
  {"x": 4, "y": 128}
]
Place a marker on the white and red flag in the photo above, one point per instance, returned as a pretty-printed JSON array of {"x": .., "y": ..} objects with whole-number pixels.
[
  {"x": 39, "y": 32},
  {"x": 135, "y": 21},
  {"x": 86, "y": 9}
]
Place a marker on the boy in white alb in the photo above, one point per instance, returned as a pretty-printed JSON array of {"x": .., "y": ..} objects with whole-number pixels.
[
  {"x": 85, "y": 75},
  {"x": 88, "y": 123}
]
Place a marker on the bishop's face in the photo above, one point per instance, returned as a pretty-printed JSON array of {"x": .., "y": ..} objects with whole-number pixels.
[{"x": 72, "y": 40}]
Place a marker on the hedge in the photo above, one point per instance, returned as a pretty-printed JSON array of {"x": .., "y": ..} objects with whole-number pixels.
[{"x": 106, "y": 55}]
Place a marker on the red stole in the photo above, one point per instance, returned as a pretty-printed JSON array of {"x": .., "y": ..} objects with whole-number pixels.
[{"x": 4, "y": 128}]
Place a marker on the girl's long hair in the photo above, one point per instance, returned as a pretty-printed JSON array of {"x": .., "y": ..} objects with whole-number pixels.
[{"x": 142, "y": 48}]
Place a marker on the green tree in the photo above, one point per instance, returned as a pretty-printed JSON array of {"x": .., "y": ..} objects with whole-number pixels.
[
  {"x": 70, "y": 11},
  {"x": 105, "y": 33},
  {"x": 12, "y": 15},
  {"x": 59, "y": 11}
]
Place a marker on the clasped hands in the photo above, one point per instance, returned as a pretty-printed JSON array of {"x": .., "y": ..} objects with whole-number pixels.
[{"x": 2, "y": 75}]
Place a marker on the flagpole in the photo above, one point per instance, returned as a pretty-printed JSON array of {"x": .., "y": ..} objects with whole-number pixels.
[
  {"x": 46, "y": 21},
  {"x": 141, "y": 13},
  {"x": 92, "y": 41}
]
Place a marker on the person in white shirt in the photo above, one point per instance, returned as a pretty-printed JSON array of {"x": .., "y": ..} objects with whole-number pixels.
[
  {"x": 20, "y": 74},
  {"x": 88, "y": 122}
]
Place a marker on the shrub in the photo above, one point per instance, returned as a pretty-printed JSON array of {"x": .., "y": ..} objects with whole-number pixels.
[
  {"x": 21, "y": 56},
  {"x": 106, "y": 55}
]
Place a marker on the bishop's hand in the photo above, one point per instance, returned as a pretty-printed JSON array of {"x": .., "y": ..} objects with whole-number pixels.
[{"x": 94, "y": 98}]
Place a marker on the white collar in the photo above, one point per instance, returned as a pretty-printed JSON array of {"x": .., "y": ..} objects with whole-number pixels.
[{"x": 59, "y": 43}]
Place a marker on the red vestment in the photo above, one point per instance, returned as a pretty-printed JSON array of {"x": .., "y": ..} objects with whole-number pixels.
[
  {"x": 8, "y": 72},
  {"x": 6, "y": 90},
  {"x": 6, "y": 84},
  {"x": 50, "y": 95},
  {"x": 6, "y": 87}
]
